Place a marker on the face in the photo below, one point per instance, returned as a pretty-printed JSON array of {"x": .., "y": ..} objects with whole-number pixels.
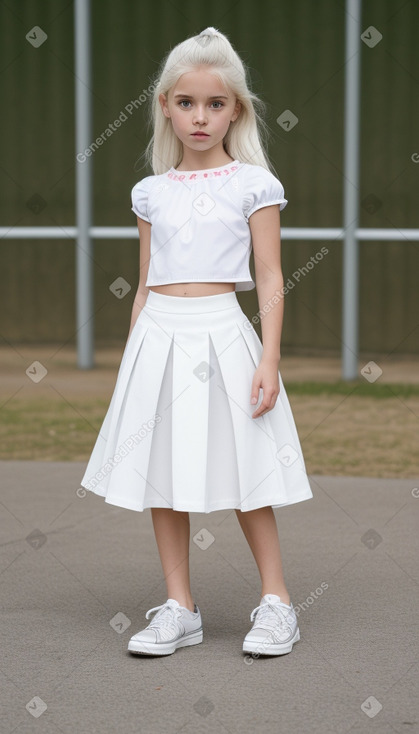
[{"x": 199, "y": 102}]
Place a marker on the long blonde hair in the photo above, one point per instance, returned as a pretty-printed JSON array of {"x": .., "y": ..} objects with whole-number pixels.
[{"x": 245, "y": 138}]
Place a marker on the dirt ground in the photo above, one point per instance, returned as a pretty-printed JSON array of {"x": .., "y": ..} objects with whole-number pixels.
[
  {"x": 61, "y": 363},
  {"x": 52, "y": 411}
]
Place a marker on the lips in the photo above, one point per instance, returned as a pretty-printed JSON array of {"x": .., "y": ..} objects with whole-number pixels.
[{"x": 200, "y": 135}]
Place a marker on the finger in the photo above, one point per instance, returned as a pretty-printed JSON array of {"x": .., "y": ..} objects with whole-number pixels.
[
  {"x": 254, "y": 395},
  {"x": 265, "y": 406}
]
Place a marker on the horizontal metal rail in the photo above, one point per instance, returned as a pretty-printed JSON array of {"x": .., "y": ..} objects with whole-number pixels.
[{"x": 131, "y": 233}]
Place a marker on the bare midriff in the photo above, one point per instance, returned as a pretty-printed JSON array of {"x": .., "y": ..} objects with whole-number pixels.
[{"x": 193, "y": 289}]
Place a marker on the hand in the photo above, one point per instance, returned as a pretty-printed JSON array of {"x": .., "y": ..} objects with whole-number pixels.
[{"x": 266, "y": 377}]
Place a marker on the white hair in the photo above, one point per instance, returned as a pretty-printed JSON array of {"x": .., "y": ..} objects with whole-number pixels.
[{"x": 244, "y": 140}]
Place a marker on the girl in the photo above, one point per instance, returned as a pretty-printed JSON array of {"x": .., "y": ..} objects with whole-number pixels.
[{"x": 195, "y": 423}]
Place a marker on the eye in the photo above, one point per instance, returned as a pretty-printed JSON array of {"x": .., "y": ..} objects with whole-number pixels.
[{"x": 217, "y": 102}]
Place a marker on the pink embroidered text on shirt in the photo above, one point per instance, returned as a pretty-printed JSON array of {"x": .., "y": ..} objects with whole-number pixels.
[{"x": 201, "y": 175}]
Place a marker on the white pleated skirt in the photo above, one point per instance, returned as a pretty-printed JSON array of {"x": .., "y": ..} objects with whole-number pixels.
[{"x": 179, "y": 431}]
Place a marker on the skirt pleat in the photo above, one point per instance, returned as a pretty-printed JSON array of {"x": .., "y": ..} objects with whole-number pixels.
[{"x": 179, "y": 431}]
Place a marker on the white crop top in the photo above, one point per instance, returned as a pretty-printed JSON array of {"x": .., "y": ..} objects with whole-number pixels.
[{"x": 200, "y": 221}]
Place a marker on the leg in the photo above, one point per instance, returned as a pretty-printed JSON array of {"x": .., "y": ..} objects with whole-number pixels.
[
  {"x": 261, "y": 532},
  {"x": 172, "y": 530}
]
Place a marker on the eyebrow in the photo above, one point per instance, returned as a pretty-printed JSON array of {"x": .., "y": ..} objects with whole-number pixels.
[{"x": 216, "y": 96}]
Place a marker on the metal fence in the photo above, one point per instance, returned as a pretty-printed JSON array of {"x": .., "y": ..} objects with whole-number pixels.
[{"x": 350, "y": 233}]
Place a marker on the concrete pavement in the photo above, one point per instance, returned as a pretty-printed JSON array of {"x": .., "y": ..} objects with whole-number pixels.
[{"x": 77, "y": 576}]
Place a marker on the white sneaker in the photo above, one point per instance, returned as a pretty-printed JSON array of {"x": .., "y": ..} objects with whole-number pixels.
[
  {"x": 172, "y": 626},
  {"x": 275, "y": 628}
]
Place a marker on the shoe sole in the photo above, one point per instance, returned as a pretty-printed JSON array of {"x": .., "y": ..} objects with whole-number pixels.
[
  {"x": 279, "y": 649},
  {"x": 167, "y": 648}
]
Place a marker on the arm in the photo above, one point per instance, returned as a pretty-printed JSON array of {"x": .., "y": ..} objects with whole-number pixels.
[
  {"x": 266, "y": 238},
  {"x": 144, "y": 230}
]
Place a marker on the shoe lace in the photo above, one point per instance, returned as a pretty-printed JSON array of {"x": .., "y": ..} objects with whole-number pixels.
[
  {"x": 271, "y": 616},
  {"x": 165, "y": 619}
]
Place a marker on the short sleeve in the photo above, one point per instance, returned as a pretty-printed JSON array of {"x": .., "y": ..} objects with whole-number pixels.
[
  {"x": 139, "y": 198},
  {"x": 261, "y": 189}
]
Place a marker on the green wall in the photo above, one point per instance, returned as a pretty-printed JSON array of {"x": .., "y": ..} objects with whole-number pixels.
[{"x": 295, "y": 52}]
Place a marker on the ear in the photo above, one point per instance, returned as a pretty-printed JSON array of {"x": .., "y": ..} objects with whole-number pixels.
[
  {"x": 163, "y": 104},
  {"x": 237, "y": 110}
]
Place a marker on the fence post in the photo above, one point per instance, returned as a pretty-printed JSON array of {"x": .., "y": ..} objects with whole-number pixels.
[
  {"x": 84, "y": 247},
  {"x": 350, "y": 297}
]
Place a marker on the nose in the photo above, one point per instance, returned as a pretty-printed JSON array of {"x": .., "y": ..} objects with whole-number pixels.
[{"x": 199, "y": 115}]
